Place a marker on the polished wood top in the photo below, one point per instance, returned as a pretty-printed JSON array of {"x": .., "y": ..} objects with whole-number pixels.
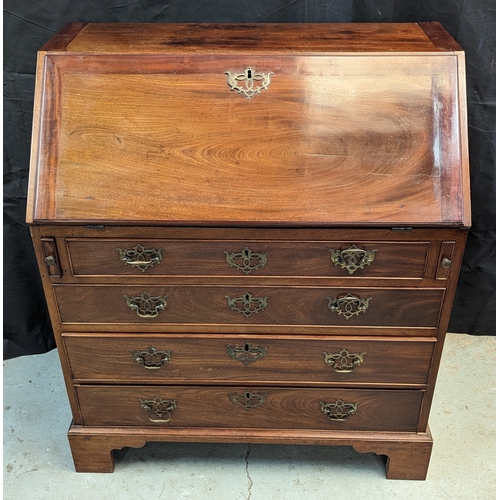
[
  {"x": 360, "y": 125},
  {"x": 128, "y": 38}
]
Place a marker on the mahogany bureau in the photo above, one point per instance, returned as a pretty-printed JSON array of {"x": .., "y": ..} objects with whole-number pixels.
[{"x": 250, "y": 233}]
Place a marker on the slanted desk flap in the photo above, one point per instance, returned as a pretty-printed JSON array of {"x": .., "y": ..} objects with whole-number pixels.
[{"x": 278, "y": 138}]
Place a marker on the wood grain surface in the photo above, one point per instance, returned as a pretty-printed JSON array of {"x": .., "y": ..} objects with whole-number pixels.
[
  {"x": 208, "y": 306},
  {"x": 329, "y": 142},
  {"x": 196, "y": 255},
  {"x": 99, "y": 257},
  {"x": 392, "y": 410},
  {"x": 248, "y": 37},
  {"x": 205, "y": 359}
]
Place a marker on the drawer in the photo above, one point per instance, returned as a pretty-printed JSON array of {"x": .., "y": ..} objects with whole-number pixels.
[
  {"x": 263, "y": 359},
  {"x": 176, "y": 258},
  {"x": 250, "y": 407},
  {"x": 212, "y": 305}
]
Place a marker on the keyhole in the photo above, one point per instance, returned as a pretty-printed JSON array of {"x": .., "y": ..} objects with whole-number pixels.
[
  {"x": 247, "y": 394},
  {"x": 247, "y": 347},
  {"x": 249, "y": 73}
]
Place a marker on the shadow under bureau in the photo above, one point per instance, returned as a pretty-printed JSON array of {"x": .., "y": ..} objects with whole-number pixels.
[{"x": 250, "y": 233}]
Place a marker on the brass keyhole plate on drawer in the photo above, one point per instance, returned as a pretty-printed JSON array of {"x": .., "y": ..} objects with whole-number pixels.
[
  {"x": 248, "y": 399},
  {"x": 246, "y": 353}
]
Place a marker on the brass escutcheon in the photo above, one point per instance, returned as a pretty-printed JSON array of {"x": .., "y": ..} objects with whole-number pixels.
[
  {"x": 140, "y": 257},
  {"x": 158, "y": 408},
  {"x": 246, "y": 261},
  {"x": 348, "y": 305},
  {"x": 247, "y": 304},
  {"x": 339, "y": 410},
  {"x": 254, "y": 82},
  {"x": 146, "y": 306},
  {"x": 344, "y": 361},
  {"x": 151, "y": 358},
  {"x": 353, "y": 258},
  {"x": 248, "y": 399},
  {"x": 246, "y": 353}
]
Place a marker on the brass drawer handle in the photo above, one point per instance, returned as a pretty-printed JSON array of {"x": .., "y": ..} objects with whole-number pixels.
[
  {"x": 159, "y": 409},
  {"x": 248, "y": 399},
  {"x": 254, "y": 82},
  {"x": 246, "y": 260},
  {"x": 146, "y": 306},
  {"x": 151, "y": 358},
  {"x": 348, "y": 305},
  {"x": 339, "y": 410},
  {"x": 140, "y": 257},
  {"x": 247, "y": 304},
  {"x": 353, "y": 258},
  {"x": 344, "y": 361},
  {"x": 246, "y": 353}
]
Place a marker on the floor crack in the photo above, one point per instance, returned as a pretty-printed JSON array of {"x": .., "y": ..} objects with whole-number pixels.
[{"x": 250, "y": 482}]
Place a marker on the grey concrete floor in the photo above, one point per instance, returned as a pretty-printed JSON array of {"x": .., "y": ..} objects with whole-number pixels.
[{"x": 38, "y": 465}]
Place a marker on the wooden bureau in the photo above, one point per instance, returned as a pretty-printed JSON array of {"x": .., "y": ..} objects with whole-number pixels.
[{"x": 250, "y": 233}]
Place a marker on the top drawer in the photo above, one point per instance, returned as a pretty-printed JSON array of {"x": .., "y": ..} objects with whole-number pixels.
[
  {"x": 114, "y": 254},
  {"x": 256, "y": 258},
  {"x": 101, "y": 257}
]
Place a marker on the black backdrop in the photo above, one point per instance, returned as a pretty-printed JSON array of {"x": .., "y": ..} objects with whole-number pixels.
[{"x": 29, "y": 24}]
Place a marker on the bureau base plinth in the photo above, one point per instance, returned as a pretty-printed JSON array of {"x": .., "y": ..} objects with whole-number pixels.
[{"x": 408, "y": 454}]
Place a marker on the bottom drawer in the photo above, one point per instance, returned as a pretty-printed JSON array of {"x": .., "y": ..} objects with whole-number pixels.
[{"x": 250, "y": 407}]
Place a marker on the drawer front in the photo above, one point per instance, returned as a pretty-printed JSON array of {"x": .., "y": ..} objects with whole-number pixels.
[
  {"x": 148, "y": 305},
  {"x": 176, "y": 258},
  {"x": 174, "y": 359},
  {"x": 250, "y": 407}
]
